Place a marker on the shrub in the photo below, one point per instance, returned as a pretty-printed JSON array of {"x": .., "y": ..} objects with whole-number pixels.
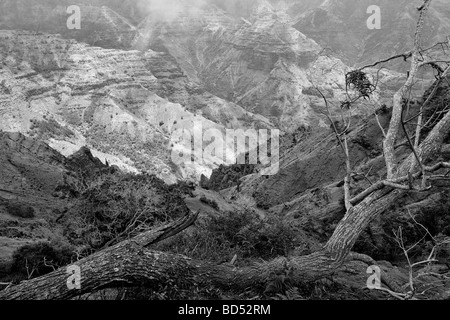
[
  {"x": 213, "y": 204},
  {"x": 37, "y": 259},
  {"x": 20, "y": 210},
  {"x": 383, "y": 246},
  {"x": 219, "y": 238},
  {"x": 229, "y": 176},
  {"x": 359, "y": 80},
  {"x": 50, "y": 128},
  {"x": 117, "y": 206}
]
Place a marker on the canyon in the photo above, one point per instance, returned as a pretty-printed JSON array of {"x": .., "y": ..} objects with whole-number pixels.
[
  {"x": 142, "y": 82},
  {"x": 83, "y": 111}
]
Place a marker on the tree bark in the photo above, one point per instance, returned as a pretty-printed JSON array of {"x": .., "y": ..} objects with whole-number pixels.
[{"x": 131, "y": 263}]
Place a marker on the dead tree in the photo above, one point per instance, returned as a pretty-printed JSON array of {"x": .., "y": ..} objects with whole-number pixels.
[{"x": 132, "y": 262}]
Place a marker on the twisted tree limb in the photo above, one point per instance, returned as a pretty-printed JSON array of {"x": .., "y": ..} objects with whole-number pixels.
[{"x": 391, "y": 136}]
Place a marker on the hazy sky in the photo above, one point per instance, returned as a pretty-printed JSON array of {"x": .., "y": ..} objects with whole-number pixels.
[{"x": 169, "y": 9}]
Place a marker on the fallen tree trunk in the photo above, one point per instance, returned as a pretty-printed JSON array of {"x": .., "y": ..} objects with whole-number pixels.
[
  {"x": 131, "y": 263},
  {"x": 101, "y": 269}
]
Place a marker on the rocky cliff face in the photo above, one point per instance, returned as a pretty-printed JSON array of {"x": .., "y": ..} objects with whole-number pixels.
[
  {"x": 260, "y": 63},
  {"x": 49, "y": 79},
  {"x": 123, "y": 104},
  {"x": 31, "y": 173},
  {"x": 342, "y": 27}
]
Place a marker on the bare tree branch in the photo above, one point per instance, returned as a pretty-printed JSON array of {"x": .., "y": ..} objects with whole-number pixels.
[{"x": 389, "y": 143}]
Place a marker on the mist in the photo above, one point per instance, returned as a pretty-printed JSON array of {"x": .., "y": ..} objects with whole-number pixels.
[{"x": 169, "y": 10}]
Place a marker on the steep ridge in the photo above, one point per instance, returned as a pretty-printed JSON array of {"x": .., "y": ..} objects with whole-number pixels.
[
  {"x": 101, "y": 25},
  {"x": 71, "y": 94},
  {"x": 342, "y": 27},
  {"x": 51, "y": 79},
  {"x": 177, "y": 87},
  {"x": 259, "y": 63},
  {"x": 31, "y": 173}
]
